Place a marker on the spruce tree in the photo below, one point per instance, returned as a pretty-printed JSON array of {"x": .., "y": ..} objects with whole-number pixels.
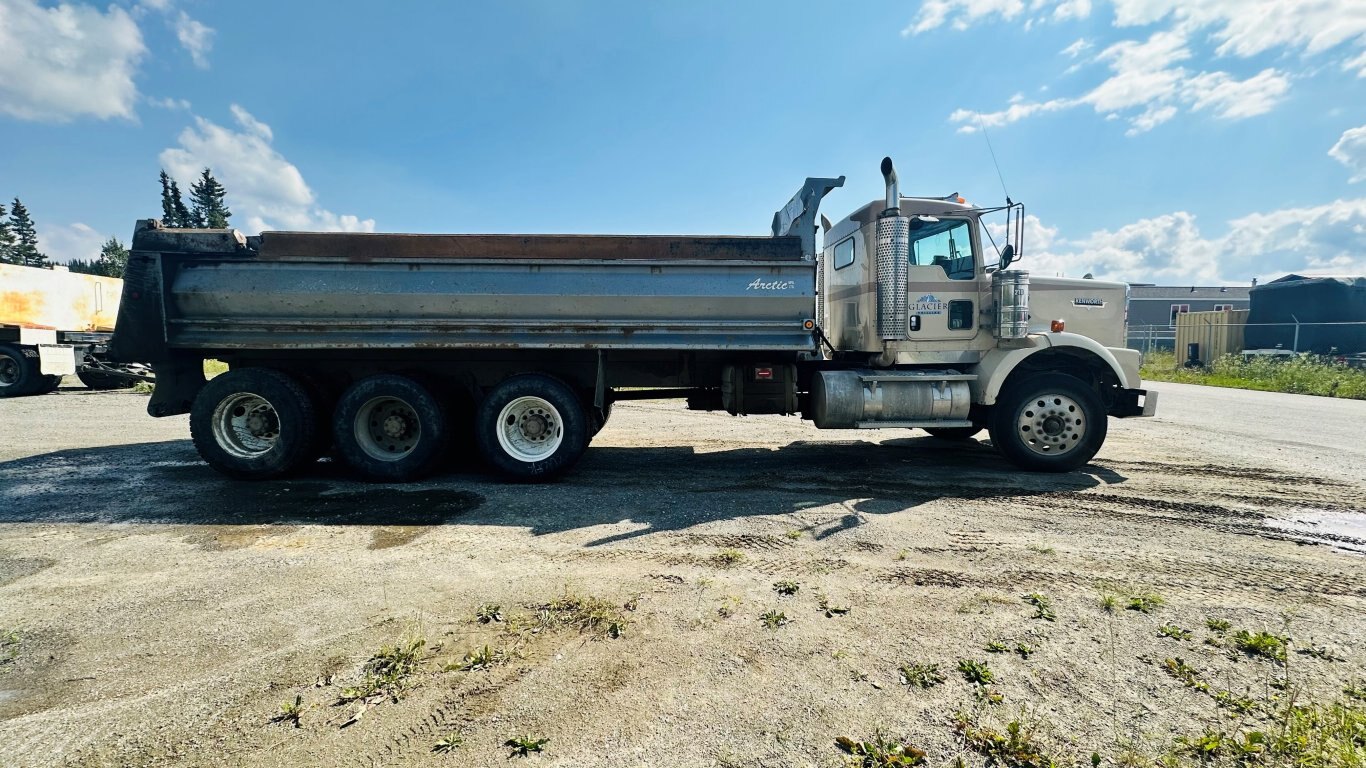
[
  {"x": 7, "y": 240},
  {"x": 113, "y": 259},
  {"x": 181, "y": 217},
  {"x": 207, "y": 195},
  {"x": 26, "y": 250},
  {"x": 84, "y": 267},
  {"x": 168, "y": 217}
]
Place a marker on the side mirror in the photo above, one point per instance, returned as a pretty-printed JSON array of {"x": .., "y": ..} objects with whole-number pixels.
[{"x": 1007, "y": 256}]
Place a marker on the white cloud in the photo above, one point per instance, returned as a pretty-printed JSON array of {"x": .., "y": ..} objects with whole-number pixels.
[
  {"x": 171, "y": 104},
  {"x": 1072, "y": 9},
  {"x": 1351, "y": 152},
  {"x": 933, "y": 13},
  {"x": 1358, "y": 63},
  {"x": 72, "y": 241},
  {"x": 265, "y": 191},
  {"x": 1077, "y": 48},
  {"x": 195, "y": 38},
  {"x": 1234, "y": 99},
  {"x": 67, "y": 61},
  {"x": 1171, "y": 248}
]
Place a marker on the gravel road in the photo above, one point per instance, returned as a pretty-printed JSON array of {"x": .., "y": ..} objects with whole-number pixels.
[{"x": 154, "y": 613}]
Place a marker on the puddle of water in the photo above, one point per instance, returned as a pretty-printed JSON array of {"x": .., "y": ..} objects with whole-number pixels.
[{"x": 1344, "y": 530}]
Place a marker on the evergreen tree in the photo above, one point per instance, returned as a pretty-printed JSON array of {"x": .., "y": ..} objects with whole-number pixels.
[
  {"x": 168, "y": 217},
  {"x": 7, "y": 241},
  {"x": 84, "y": 267},
  {"x": 113, "y": 259},
  {"x": 181, "y": 217},
  {"x": 206, "y": 195},
  {"x": 26, "y": 250}
]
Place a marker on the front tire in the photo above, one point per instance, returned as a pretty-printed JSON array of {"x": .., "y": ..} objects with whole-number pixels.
[
  {"x": 1048, "y": 422},
  {"x": 531, "y": 427},
  {"x": 254, "y": 424},
  {"x": 389, "y": 428}
]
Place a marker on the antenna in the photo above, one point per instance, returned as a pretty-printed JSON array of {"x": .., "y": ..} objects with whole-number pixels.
[{"x": 983, "y": 128}]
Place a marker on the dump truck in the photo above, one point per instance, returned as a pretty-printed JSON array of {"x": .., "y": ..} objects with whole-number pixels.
[
  {"x": 391, "y": 352},
  {"x": 54, "y": 323}
]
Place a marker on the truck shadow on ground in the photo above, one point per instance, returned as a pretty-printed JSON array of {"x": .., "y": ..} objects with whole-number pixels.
[{"x": 661, "y": 488}]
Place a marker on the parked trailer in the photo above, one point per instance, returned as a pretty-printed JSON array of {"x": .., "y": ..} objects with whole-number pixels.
[
  {"x": 55, "y": 323},
  {"x": 394, "y": 349}
]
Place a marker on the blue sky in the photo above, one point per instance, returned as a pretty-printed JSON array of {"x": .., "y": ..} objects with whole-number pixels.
[{"x": 1184, "y": 141}]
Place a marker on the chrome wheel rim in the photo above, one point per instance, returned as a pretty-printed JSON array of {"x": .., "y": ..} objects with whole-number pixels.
[
  {"x": 246, "y": 425},
  {"x": 9, "y": 371},
  {"x": 387, "y": 428},
  {"x": 530, "y": 429},
  {"x": 1051, "y": 424}
]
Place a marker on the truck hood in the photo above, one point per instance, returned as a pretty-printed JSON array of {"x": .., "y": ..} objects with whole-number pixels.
[{"x": 1094, "y": 308}]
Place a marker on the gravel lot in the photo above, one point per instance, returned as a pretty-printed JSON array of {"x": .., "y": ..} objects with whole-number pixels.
[{"x": 161, "y": 615}]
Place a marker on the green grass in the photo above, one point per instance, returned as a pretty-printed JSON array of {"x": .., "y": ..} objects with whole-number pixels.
[
  {"x": 975, "y": 671},
  {"x": 1262, "y": 644},
  {"x": 386, "y": 673},
  {"x": 1305, "y": 375},
  {"x": 921, "y": 675},
  {"x": 879, "y": 752}
]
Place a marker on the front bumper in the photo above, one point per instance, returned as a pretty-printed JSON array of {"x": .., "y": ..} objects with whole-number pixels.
[{"x": 1134, "y": 402}]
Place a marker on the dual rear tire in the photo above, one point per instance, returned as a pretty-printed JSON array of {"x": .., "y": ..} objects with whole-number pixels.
[{"x": 258, "y": 424}]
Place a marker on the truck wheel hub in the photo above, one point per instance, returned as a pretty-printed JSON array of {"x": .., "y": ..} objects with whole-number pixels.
[
  {"x": 1051, "y": 424},
  {"x": 245, "y": 425},
  {"x": 530, "y": 429},
  {"x": 387, "y": 428},
  {"x": 535, "y": 426},
  {"x": 395, "y": 426},
  {"x": 9, "y": 372}
]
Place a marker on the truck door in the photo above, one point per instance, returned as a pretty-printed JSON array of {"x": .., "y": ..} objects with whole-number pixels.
[{"x": 943, "y": 296}]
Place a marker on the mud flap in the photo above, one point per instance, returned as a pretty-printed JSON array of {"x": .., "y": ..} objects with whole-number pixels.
[{"x": 177, "y": 384}]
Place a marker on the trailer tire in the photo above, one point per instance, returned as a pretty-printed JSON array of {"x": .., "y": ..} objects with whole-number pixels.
[
  {"x": 1048, "y": 422},
  {"x": 50, "y": 384},
  {"x": 254, "y": 424},
  {"x": 953, "y": 433},
  {"x": 19, "y": 375},
  {"x": 532, "y": 427},
  {"x": 389, "y": 428}
]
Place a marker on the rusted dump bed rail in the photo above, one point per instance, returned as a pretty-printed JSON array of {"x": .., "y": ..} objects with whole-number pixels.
[{"x": 284, "y": 291}]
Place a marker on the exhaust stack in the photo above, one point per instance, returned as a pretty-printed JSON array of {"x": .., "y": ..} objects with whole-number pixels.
[
  {"x": 893, "y": 261},
  {"x": 893, "y": 192}
]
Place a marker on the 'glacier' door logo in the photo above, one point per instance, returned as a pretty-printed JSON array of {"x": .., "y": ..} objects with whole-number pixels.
[{"x": 928, "y": 305}]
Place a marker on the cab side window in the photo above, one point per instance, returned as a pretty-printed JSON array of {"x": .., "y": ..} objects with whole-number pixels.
[
  {"x": 844, "y": 253},
  {"x": 947, "y": 243}
]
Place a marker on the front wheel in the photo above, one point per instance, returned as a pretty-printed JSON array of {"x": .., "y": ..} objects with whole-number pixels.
[
  {"x": 531, "y": 427},
  {"x": 1049, "y": 422},
  {"x": 254, "y": 424},
  {"x": 19, "y": 375}
]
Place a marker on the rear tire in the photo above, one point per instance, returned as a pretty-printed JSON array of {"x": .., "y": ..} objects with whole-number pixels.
[
  {"x": 102, "y": 381},
  {"x": 389, "y": 428},
  {"x": 49, "y": 385},
  {"x": 953, "y": 433},
  {"x": 19, "y": 375},
  {"x": 1048, "y": 422},
  {"x": 254, "y": 424},
  {"x": 532, "y": 427}
]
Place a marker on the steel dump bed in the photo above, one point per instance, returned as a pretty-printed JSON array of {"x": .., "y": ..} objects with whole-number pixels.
[{"x": 293, "y": 291}]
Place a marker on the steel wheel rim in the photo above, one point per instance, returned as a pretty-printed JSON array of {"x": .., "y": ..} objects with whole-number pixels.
[
  {"x": 530, "y": 429},
  {"x": 387, "y": 428},
  {"x": 246, "y": 425},
  {"x": 1051, "y": 424},
  {"x": 9, "y": 371}
]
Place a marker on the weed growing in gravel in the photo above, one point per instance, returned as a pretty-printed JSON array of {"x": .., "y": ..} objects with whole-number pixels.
[
  {"x": 774, "y": 619},
  {"x": 1310, "y": 735},
  {"x": 1260, "y": 644},
  {"x": 921, "y": 675},
  {"x": 1013, "y": 749},
  {"x": 1218, "y": 625},
  {"x": 9, "y": 647},
  {"x": 482, "y": 658},
  {"x": 523, "y": 746},
  {"x": 589, "y": 615},
  {"x": 1108, "y": 601},
  {"x": 832, "y": 610},
  {"x": 794, "y": 534},
  {"x": 975, "y": 671},
  {"x": 880, "y": 752},
  {"x": 786, "y": 587},
  {"x": 1184, "y": 672},
  {"x": 902, "y": 555},
  {"x": 1145, "y": 602},
  {"x": 989, "y": 696},
  {"x": 1043, "y": 607},
  {"x": 488, "y": 612},
  {"x": 1240, "y": 704},
  {"x": 729, "y": 605},
  {"x": 1174, "y": 632},
  {"x": 996, "y": 646},
  {"x": 386, "y": 673},
  {"x": 290, "y": 712},
  {"x": 1043, "y": 550},
  {"x": 728, "y": 557},
  {"x": 1355, "y": 690},
  {"x": 1024, "y": 650},
  {"x": 448, "y": 744}
]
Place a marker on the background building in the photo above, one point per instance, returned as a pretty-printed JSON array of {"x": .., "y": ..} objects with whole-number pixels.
[{"x": 1153, "y": 309}]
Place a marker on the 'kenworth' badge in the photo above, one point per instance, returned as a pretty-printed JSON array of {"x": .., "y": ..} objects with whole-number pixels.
[{"x": 1083, "y": 302}]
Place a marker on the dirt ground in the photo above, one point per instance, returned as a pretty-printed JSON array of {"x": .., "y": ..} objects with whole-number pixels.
[{"x": 155, "y": 613}]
